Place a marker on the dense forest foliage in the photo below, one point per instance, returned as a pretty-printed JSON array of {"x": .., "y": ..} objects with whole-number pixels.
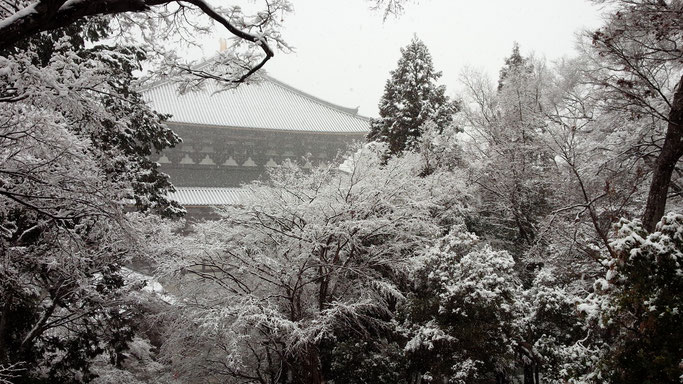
[{"x": 530, "y": 231}]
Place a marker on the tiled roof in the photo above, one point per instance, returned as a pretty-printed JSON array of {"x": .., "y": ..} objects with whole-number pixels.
[
  {"x": 267, "y": 104},
  {"x": 193, "y": 196}
]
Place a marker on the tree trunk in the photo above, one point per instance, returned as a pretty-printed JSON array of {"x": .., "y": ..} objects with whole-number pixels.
[
  {"x": 306, "y": 367},
  {"x": 501, "y": 378},
  {"x": 672, "y": 150},
  {"x": 4, "y": 332},
  {"x": 529, "y": 374}
]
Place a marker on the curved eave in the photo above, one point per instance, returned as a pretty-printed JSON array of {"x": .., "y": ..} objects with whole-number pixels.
[
  {"x": 209, "y": 197},
  {"x": 268, "y": 105},
  {"x": 181, "y": 124}
]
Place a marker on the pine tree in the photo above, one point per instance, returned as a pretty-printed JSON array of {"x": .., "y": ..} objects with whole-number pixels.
[
  {"x": 515, "y": 65},
  {"x": 411, "y": 98}
]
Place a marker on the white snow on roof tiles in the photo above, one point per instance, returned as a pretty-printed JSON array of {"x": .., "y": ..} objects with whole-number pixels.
[
  {"x": 268, "y": 104},
  {"x": 205, "y": 196}
]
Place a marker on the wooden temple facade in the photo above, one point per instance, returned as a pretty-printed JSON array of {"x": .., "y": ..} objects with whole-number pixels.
[{"x": 233, "y": 136}]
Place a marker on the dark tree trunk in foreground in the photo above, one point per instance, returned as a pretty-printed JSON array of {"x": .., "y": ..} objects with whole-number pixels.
[
  {"x": 672, "y": 150},
  {"x": 306, "y": 367},
  {"x": 529, "y": 374}
]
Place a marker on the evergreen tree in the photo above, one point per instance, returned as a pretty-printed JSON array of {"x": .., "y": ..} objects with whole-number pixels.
[
  {"x": 462, "y": 317},
  {"x": 636, "y": 306},
  {"x": 411, "y": 98},
  {"x": 73, "y": 144},
  {"x": 515, "y": 65}
]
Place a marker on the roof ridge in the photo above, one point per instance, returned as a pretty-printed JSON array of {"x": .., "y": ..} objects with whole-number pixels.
[
  {"x": 266, "y": 76},
  {"x": 200, "y": 187},
  {"x": 347, "y": 110},
  {"x": 256, "y": 105}
]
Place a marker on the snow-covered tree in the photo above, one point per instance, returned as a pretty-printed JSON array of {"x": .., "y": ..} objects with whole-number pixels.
[
  {"x": 411, "y": 98},
  {"x": 553, "y": 341},
  {"x": 637, "y": 63},
  {"x": 254, "y": 37},
  {"x": 74, "y": 141},
  {"x": 508, "y": 156},
  {"x": 311, "y": 257},
  {"x": 461, "y": 320},
  {"x": 600, "y": 182},
  {"x": 357, "y": 359},
  {"x": 552, "y": 183},
  {"x": 74, "y": 137},
  {"x": 636, "y": 306},
  {"x": 515, "y": 65},
  {"x": 440, "y": 149}
]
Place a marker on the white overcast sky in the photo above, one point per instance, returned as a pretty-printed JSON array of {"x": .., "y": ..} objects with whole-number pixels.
[{"x": 344, "y": 51}]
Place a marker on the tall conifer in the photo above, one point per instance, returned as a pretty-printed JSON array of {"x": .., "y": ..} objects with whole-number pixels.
[{"x": 411, "y": 98}]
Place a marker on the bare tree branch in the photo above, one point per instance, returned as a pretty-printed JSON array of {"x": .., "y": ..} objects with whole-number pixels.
[{"x": 45, "y": 15}]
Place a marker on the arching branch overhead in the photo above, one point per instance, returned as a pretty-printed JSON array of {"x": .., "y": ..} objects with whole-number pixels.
[{"x": 23, "y": 19}]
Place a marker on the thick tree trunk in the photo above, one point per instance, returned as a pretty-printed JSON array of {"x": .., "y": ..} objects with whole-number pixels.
[{"x": 672, "y": 150}]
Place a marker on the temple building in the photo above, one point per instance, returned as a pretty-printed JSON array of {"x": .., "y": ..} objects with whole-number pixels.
[{"x": 232, "y": 136}]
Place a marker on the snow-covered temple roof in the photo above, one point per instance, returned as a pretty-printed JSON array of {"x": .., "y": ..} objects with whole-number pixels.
[
  {"x": 208, "y": 196},
  {"x": 265, "y": 105}
]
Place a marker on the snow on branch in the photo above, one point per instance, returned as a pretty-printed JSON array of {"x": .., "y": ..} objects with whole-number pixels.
[
  {"x": 9, "y": 372},
  {"x": 47, "y": 15}
]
